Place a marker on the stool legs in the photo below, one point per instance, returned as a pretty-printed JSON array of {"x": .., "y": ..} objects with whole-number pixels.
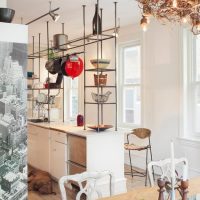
[
  {"x": 131, "y": 163},
  {"x": 146, "y": 173}
]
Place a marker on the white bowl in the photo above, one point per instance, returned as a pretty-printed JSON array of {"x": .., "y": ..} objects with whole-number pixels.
[{"x": 100, "y": 63}]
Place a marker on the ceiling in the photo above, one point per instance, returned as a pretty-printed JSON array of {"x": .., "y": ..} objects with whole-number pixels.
[{"x": 71, "y": 14}]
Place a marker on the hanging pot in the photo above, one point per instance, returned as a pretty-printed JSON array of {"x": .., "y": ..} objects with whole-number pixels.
[
  {"x": 59, "y": 41},
  {"x": 74, "y": 66},
  {"x": 64, "y": 59},
  {"x": 53, "y": 66}
]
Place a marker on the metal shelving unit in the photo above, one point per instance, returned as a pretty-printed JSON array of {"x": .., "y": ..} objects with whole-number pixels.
[
  {"x": 84, "y": 42},
  {"x": 98, "y": 39}
]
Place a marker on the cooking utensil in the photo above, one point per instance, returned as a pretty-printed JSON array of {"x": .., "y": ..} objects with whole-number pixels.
[
  {"x": 60, "y": 41},
  {"x": 41, "y": 98},
  {"x": 100, "y": 63},
  {"x": 53, "y": 66},
  {"x": 100, "y": 80},
  {"x": 101, "y": 127},
  {"x": 101, "y": 98},
  {"x": 6, "y": 15},
  {"x": 74, "y": 66}
]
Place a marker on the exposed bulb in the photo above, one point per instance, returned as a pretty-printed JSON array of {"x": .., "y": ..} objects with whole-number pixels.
[
  {"x": 68, "y": 46},
  {"x": 184, "y": 20},
  {"x": 174, "y": 3},
  {"x": 144, "y": 23}
]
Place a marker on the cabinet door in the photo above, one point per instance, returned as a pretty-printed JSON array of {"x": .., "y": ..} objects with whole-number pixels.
[
  {"x": 32, "y": 146},
  {"x": 38, "y": 147},
  {"x": 58, "y": 159}
]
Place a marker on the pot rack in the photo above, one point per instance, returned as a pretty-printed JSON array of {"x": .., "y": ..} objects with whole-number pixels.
[{"x": 83, "y": 42}]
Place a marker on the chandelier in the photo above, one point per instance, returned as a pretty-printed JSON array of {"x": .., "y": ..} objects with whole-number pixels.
[{"x": 176, "y": 11}]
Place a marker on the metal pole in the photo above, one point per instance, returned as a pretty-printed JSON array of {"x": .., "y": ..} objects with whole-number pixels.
[
  {"x": 33, "y": 63},
  {"x": 84, "y": 6},
  {"x": 98, "y": 92},
  {"x": 48, "y": 72},
  {"x": 39, "y": 66},
  {"x": 101, "y": 11},
  {"x": 116, "y": 117},
  {"x": 63, "y": 32}
]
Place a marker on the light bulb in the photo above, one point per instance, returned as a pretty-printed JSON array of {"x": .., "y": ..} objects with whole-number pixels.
[
  {"x": 174, "y": 4},
  {"x": 68, "y": 46},
  {"x": 184, "y": 20},
  {"x": 144, "y": 23}
]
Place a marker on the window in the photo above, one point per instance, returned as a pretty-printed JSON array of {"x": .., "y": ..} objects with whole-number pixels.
[
  {"x": 191, "y": 84},
  {"x": 71, "y": 96},
  {"x": 130, "y": 84}
]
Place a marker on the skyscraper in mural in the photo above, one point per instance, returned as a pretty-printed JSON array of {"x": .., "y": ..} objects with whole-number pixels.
[{"x": 13, "y": 122}]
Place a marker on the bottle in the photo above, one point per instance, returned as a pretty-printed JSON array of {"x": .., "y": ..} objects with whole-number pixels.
[
  {"x": 97, "y": 24},
  {"x": 80, "y": 120}
]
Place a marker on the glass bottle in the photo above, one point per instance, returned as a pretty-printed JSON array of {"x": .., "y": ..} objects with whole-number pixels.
[{"x": 97, "y": 24}]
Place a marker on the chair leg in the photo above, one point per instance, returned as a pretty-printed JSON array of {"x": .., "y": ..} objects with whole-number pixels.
[
  {"x": 131, "y": 163},
  {"x": 146, "y": 173},
  {"x": 152, "y": 160}
]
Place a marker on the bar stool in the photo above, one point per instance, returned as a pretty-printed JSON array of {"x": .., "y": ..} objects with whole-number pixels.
[{"x": 141, "y": 133}]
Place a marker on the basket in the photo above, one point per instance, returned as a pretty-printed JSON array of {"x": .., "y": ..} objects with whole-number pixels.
[{"x": 100, "y": 80}]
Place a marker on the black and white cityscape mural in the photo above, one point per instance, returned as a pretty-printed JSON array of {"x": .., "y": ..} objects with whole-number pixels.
[{"x": 13, "y": 122}]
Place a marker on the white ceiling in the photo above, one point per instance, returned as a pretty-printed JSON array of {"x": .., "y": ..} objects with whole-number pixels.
[{"x": 71, "y": 14}]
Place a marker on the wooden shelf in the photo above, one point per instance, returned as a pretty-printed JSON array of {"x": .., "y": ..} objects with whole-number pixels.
[
  {"x": 29, "y": 78},
  {"x": 106, "y": 86},
  {"x": 46, "y": 89},
  {"x": 100, "y": 103},
  {"x": 100, "y": 70}
]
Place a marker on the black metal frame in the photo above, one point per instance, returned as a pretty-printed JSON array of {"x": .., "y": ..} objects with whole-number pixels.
[{"x": 137, "y": 173}]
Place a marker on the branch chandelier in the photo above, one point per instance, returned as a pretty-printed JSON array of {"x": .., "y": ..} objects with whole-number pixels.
[{"x": 175, "y": 11}]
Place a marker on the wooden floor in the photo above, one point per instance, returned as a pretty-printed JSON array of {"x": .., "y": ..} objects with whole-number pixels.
[{"x": 131, "y": 183}]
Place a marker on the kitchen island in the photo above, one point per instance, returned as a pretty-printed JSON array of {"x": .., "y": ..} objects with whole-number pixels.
[{"x": 62, "y": 149}]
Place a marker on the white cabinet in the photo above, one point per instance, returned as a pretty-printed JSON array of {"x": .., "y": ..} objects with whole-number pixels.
[
  {"x": 38, "y": 147},
  {"x": 58, "y": 154}
]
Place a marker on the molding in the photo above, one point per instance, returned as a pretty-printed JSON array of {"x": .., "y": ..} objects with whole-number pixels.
[{"x": 189, "y": 142}]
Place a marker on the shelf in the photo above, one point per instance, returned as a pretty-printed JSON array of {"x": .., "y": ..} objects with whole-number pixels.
[
  {"x": 46, "y": 89},
  {"x": 106, "y": 86},
  {"x": 29, "y": 78},
  {"x": 100, "y": 70},
  {"x": 99, "y": 103}
]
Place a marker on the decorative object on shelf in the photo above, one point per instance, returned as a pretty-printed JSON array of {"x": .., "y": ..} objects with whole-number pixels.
[
  {"x": 100, "y": 63},
  {"x": 41, "y": 98},
  {"x": 60, "y": 41},
  {"x": 100, "y": 80},
  {"x": 80, "y": 120},
  {"x": 6, "y": 15},
  {"x": 64, "y": 59},
  {"x": 73, "y": 66},
  {"x": 96, "y": 23},
  {"x": 30, "y": 74},
  {"x": 100, "y": 127},
  {"x": 101, "y": 98},
  {"x": 175, "y": 11}
]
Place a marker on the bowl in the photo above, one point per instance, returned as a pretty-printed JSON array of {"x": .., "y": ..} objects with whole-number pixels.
[
  {"x": 6, "y": 15},
  {"x": 100, "y": 63},
  {"x": 101, "y": 98},
  {"x": 101, "y": 127}
]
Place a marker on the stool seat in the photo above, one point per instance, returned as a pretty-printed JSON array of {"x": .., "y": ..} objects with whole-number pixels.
[{"x": 134, "y": 147}]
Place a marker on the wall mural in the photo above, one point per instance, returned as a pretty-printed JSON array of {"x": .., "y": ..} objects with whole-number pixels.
[{"x": 13, "y": 122}]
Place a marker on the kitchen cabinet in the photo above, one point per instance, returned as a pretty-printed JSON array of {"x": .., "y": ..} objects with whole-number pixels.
[
  {"x": 38, "y": 147},
  {"x": 58, "y": 154}
]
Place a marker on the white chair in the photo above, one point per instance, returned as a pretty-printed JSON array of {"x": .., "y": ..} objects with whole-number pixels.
[
  {"x": 89, "y": 189},
  {"x": 165, "y": 166}
]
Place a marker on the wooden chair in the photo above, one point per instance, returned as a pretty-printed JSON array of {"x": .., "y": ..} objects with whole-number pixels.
[
  {"x": 87, "y": 184},
  {"x": 165, "y": 167},
  {"x": 141, "y": 133}
]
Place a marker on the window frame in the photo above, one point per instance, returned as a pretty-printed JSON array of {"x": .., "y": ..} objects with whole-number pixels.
[
  {"x": 189, "y": 85},
  {"x": 122, "y": 86}
]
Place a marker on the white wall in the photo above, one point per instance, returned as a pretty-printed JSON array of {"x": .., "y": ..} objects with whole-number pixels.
[
  {"x": 3, "y": 3},
  {"x": 162, "y": 90}
]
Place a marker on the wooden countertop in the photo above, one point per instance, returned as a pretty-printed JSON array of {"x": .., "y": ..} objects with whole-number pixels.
[
  {"x": 72, "y": 129},
  {"x": 152, "y": 193}
]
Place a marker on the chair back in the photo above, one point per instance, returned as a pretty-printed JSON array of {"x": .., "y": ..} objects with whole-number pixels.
[
  {"x": 165, "y": 166},
  {"x": 87, "y": 184},
  {"x": 142, "y": 133}
]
